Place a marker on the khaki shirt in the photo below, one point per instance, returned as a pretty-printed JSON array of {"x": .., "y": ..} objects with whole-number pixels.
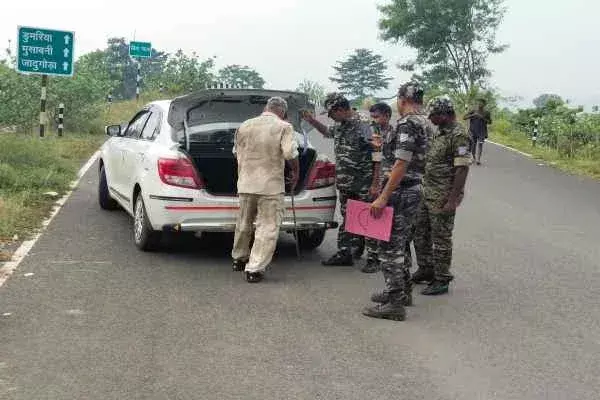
[{"x": 262, "y": 145}]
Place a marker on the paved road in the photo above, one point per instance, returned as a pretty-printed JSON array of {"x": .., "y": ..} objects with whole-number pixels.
[{"x": 100, "y": 320}]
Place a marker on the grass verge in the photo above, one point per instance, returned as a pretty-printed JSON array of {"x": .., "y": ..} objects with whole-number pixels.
[
  {"x": 579, "y": 165},
  {"x": 31, "y": 167}
]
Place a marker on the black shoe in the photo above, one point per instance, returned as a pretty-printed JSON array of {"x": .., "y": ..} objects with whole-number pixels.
[
  {"x": 339, "y": 260},
  {"x": 422, "y": 276},
  {"x": 358, "y": 251},
  {"x": 393, "y": 311},
  {"x": 254, "y": 277},
  {"x": 239, "y": 265},
  {"x": 436, "y": 288},
  {"x": 383, "y": 298},
  {"x": 371, "y": 266}
]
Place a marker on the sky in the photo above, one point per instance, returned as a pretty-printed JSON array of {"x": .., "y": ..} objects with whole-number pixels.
[{"x": 554, "y": 45}]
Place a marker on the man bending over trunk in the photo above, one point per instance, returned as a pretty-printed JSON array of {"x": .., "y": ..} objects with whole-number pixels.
[{"x": 262, "y": 145}]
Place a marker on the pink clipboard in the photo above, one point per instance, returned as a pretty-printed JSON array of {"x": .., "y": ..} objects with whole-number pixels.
[{"x": 360, "y": 222}]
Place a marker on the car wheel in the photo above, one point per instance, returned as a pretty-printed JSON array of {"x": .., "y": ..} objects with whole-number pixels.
[
  {"x": 145, "y": 238},
  {"x": 311, "y": 239},
  {"x": 104, "y": 198}
]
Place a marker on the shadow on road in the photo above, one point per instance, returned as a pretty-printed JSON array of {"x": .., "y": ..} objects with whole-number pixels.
[{"x": 218, "y": 246}]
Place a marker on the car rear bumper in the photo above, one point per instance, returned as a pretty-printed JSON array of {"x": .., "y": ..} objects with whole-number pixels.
[
  {"x": 202, "y": 212},
  {"x": 207, "y": 226}
]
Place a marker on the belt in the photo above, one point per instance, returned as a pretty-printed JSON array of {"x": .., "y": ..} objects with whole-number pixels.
[{"x": 408, "y": 183}]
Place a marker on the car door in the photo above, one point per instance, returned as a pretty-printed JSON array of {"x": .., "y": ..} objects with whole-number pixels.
[
  {"x": 127, "y": 151},
  {"x": 112, "y": 160},
  {"x": 137, "y": 159}
]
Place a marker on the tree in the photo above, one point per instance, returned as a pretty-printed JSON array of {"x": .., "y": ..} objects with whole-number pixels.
[
  {"x": 453, "y": 39},
  {"x": 548, "y": 101},
  {"x": 314, "y": 91},
  {"x": 185, "y": 73},
  {"x": 123, "y": 69},
  {"x": 243, "y": 76},
  {"x": 19, "y": 96},
  {"x": 361, "y": 74}
]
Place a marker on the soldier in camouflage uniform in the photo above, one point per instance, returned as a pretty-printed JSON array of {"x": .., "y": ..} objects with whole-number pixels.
[
  {"x": 448, "y": 161},
  {"x": 380, "y": 114},
  {"x": 402, "y": 167},
  {"x": 355, "y": 162}
]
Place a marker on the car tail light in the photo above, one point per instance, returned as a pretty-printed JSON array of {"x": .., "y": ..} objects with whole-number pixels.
[
  {"x": 321, "y": 175},
  {"x": 179, "y": 172}
]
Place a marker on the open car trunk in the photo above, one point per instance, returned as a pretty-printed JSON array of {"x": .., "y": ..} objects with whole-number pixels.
[
  {"x": 209, "y": 119},
  {"x": 218, "y": 166}
]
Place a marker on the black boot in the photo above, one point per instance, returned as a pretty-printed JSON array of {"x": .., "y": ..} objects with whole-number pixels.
[
  {"x": 393, "y": 310},
  {"x": 358, "y": 250},
  {"x": 436, "y": 287},
  {"x": 254, "y": 277},
  {"x": 423, "y": 275},
  {"x": 371, "y": 266},
  {"x": 339, "y": 259},
  {"x": 239, "y": 265},
  {"x": 382, "y": 298}
]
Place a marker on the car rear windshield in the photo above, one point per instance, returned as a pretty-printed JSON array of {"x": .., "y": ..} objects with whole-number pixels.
[{"x": 225, "y": 110}]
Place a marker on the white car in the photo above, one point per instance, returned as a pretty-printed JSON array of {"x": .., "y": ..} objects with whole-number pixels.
[{"x": 172, "y": 168}]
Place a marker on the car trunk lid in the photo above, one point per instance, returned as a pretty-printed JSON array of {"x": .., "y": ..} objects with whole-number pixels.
[{"x": 231, "y": 105}]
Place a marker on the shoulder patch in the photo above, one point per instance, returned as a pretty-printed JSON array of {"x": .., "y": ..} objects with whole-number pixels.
[{"x": 462, "y": 150}]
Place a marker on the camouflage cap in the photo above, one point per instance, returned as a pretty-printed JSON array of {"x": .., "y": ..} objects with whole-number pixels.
[
  {"x": 441, "y": 105},
  {"x": 411, "y": 90},
  {"x": 334, "y": 100}
]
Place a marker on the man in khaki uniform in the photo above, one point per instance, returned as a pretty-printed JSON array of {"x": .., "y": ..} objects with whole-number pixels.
[{"x": 262, "y": 146}]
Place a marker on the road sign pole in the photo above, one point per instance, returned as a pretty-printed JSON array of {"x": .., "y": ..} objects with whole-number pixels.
[
  {"x": 137, "y": 83},
  {"x": 45, "y": 52},
  {"x": 137, "y": 51},
  {"x": 61, "y": 115},
  {"x": 109, "y": 101},
  {"x": 43, "y": 105}
]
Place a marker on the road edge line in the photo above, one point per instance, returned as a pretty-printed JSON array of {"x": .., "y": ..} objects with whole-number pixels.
[
  {"x": 17, "y": 257},
  {"x": 511, "y": 149}
]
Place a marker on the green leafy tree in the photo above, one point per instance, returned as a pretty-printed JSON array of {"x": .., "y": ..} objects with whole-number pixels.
[
  {"x": 546, "y": 100},
  {"x": 243, "y": 76},
  {"x": 361, "y": 74},
  {"x": 185, "y": 73},
  {"x": 123, "y": 69},
  {"x": 314, "y": 91},
  {"x": 20, "y": 99},
  {"x": 453, "y": 39}
]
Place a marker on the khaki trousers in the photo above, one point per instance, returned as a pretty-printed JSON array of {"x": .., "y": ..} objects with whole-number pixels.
[{"x": 267, "y": 212}]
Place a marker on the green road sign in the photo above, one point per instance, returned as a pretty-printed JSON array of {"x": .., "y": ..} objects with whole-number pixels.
[
  {"x": 140, "y": 49},
  {"x": 45, "y": 51}
]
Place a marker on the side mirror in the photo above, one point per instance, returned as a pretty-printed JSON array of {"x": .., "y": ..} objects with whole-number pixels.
[{"x": 113, "y": 130}]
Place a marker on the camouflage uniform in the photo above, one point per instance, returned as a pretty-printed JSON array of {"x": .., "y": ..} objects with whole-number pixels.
[
  {"x": 354, "y": 173},
  {"x": 449, "y": 149},
  {"x": 408, "y": 143}
]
